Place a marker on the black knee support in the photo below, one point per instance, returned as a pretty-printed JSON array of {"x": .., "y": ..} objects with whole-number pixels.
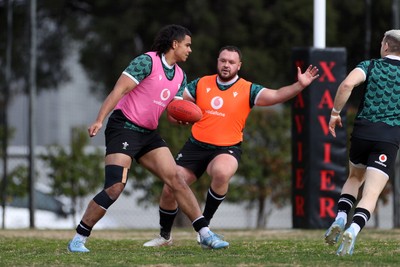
[
  {"x": 115, "y": 174},
  {"x": 103, "y": 200}
]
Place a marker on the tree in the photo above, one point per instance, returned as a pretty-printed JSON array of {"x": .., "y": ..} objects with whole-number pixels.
[
  {"x": 53, "y": 45},
  {"x": 264, "y": 175},
  {"x": 103, "y": 27},
  {"x": 112, "y": 31},
  {"x": 7, "y": 186},
  {"x": 74, "y": 172},
  {"x": 356, "y": 39},
  {"x": 15, "y": 187}
]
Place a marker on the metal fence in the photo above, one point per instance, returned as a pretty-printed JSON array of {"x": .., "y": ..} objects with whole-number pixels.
[{"x": 126, "y": 213}]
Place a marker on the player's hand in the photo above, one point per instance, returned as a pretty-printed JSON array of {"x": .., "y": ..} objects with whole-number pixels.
[
  {"x": 334, "y": 120},
  {"x": 176, "y": 122},
  {"x": 94, "y": 128},
  {"x": 306, "y": 78},
  {"x": 183, "y": 123}
]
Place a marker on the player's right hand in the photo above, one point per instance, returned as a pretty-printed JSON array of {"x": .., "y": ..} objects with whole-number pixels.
[
  {"x": 334, "y": 120},
  {"x": 94, "y": 128}
]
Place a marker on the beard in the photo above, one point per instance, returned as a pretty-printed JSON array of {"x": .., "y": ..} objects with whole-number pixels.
[{"x": 226, "y": 76}]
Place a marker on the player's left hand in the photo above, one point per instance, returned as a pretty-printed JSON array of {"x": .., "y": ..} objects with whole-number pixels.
[{"x": 308, "y": 76}]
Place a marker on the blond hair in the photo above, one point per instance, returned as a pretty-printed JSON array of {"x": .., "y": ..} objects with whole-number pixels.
[{"x": 392, "y": 38}]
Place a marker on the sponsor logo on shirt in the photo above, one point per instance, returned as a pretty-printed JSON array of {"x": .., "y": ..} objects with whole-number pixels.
[
  {"x": 382, "y": 158},
  {"x": 216, "y": 103},
  {"x": 165, "y": 95}
]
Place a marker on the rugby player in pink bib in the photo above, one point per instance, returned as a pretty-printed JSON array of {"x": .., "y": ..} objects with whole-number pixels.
[{"x": 139, "y": 97}]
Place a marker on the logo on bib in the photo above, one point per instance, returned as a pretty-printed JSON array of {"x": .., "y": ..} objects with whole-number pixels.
[
  {"x": 165, "y": 94},
  {"x": 217, "y": 102}
]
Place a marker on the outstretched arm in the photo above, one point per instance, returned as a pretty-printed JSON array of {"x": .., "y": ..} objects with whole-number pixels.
[{"x": 270, "y": 97}]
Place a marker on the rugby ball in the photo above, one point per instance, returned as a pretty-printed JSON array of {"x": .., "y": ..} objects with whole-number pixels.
[{"x": 184, "y": 111}]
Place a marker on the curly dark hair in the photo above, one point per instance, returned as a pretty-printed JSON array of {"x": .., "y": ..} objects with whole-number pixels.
[{"x": 163, "y": 40}]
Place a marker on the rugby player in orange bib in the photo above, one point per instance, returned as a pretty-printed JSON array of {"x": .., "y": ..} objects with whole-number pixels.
[{"x": 214, "y": 145}]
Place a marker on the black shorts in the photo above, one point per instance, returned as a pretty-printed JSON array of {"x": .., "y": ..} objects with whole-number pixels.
[
  {"x": 196, "y": 158},
  {"x": 375, "y": 154},
  {"x": 122, "y": 136}
]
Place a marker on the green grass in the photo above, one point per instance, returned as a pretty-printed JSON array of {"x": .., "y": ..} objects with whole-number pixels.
[{"x": 248, "y": 248}]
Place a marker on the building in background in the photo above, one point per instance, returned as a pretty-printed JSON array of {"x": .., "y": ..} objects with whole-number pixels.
[{"x": 57, "y": 111}]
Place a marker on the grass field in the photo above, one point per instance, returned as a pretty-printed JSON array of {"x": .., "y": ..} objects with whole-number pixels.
[{"x": 247, "y": 248}]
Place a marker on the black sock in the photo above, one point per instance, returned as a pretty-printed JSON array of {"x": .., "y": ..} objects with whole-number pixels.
[
  {"x": 83, "y": 229},
  {"x": 361, "y": 217},
  {"x": 345, "y": 203},
  {"x": 167, "y": 218},
  {"x": 212, "y": 203},
  {"x": 200, "y": 223}
]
